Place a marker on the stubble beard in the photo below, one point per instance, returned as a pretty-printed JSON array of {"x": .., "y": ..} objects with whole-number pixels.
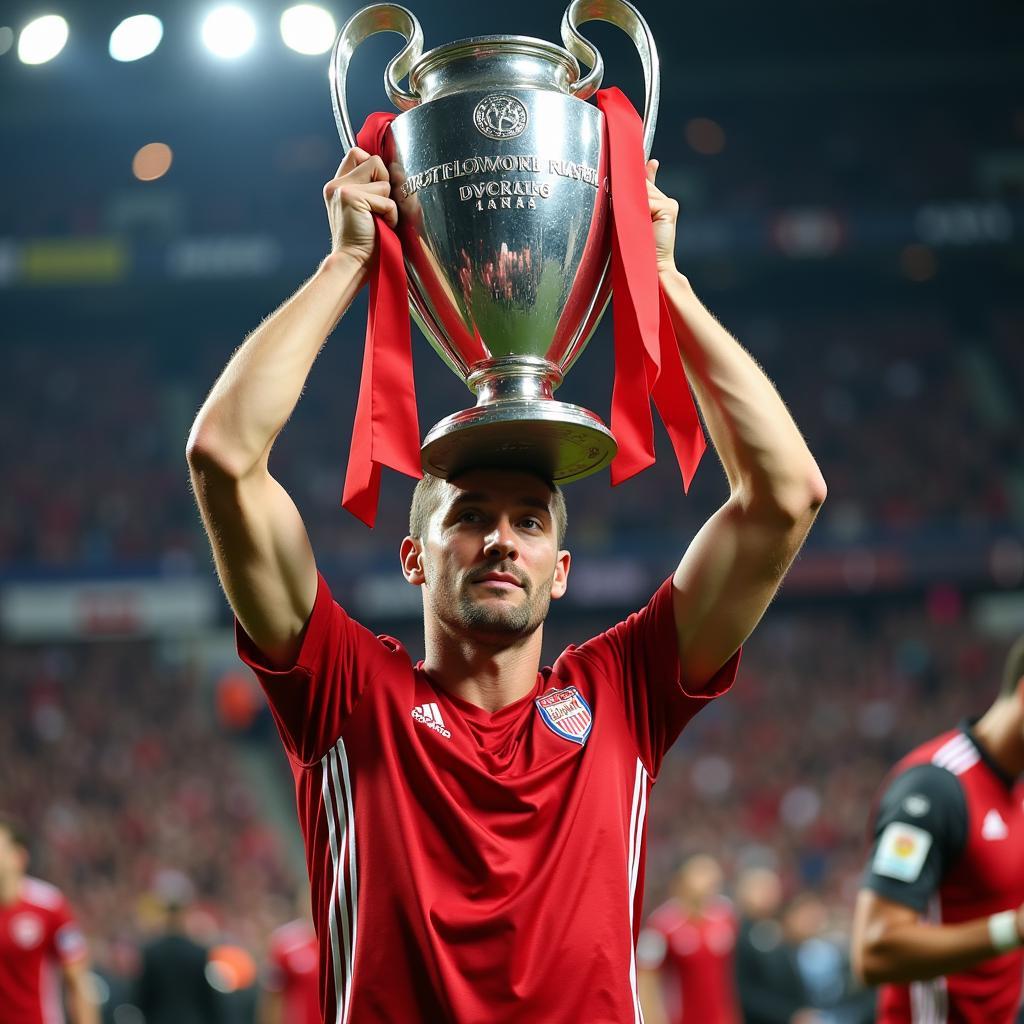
[{"x": 456, "y": 604}]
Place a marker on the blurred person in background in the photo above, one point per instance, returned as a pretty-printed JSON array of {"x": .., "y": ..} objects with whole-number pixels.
[
  {"x": 40, "y": 944},
  {"x": 173, "y": 985},
  {"x": 768, "y": 979},
  {"x": 822, "y": 966},
  {"x": 115, "y": 969},
  {"x": 431, "y": 796},
  {"x": 685, "y": 952},
  {"x": 291, "y": 979},
  {"x": 233, "y": 972},
  {"x": 939, "y": 921}
]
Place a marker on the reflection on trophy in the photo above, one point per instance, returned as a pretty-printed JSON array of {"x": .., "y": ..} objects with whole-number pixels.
[{"x": 500, "y": 171}]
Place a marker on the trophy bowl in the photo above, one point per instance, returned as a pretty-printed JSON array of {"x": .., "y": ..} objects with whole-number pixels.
[{"x": 499, "y": 168}]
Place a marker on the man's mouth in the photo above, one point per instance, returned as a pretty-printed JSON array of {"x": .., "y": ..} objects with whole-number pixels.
[{"x": 502, "y": 580}]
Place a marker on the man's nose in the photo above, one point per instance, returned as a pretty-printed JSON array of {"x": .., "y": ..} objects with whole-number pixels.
[{"x": 501, "y": 542}]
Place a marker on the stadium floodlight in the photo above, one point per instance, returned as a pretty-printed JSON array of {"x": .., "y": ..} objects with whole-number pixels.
[
  {"x": 308, "y": 29},
  {"x": 136, "y": 37},
  {"x": 42, "y": 39},
  {"x": 229, "y": 31}
]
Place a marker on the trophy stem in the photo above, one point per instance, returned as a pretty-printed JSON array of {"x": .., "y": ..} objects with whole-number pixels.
[
  {"x": 514, "y": 378},
  {"x": 518, "y": 425}
]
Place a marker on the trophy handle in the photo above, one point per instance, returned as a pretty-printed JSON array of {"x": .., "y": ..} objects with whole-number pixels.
[
  {"x": 362, "y": 24},
  {"x": 624, "y": 15}
]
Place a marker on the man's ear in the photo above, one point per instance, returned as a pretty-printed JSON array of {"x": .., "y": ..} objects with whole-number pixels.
[
  {"x": 412, "y": 562},
  {"x": 560, "y": 581}
]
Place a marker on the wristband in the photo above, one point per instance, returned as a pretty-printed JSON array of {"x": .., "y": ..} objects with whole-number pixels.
[{"x": 1002, "y": 930}]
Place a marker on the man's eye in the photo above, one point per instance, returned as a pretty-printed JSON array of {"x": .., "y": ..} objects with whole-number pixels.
[
  {"x": 469, "y": 516},
  {"x": 531, "y": 523}
]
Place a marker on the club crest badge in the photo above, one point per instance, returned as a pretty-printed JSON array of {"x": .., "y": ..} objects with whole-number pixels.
[
  {"x": 566, "y": 714},
  {"x": 26, "y": 930}
]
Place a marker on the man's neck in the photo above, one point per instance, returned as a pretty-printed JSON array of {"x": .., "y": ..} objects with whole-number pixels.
[
  {"x": 999, "y": 731},
  {"x": 10, "y": 888},
  {"x": 491, "y": 676}
]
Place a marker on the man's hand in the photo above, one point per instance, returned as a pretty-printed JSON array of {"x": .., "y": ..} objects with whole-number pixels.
[
  {"x": 360, "y": 189},
  {"x": 664, "y": 212}
]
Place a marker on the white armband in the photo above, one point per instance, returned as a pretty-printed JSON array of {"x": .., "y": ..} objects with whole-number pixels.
[{"x": 1002, "y": 930}]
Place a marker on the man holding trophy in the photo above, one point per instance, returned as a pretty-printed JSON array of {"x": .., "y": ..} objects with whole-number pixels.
[{"x": 474, "y": 823}]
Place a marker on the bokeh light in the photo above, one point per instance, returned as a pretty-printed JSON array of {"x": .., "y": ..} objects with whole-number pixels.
[
  {"x": 136, "y": 37},
  {"x": 152, "y": 161},
  {"x": 229, "y": 31},
  {"x": 6, "y": 38},
  {"x": 42, "y": 39},
  {"x": 308, "y": 29},
  {"x": 705, "y": 136}
]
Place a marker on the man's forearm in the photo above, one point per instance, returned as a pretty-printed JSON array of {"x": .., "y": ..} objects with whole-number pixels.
[
  {"x": 260, "y": 387},
  {"x": 919, "y": 951},
  {"x": 82, "y": 1008},
  {"x": 764, "y": 455}
]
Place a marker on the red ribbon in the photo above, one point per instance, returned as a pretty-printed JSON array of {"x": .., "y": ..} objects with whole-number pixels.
[
  {"x": 386, "y": 431},
  {"x": 647, "y": 360}
]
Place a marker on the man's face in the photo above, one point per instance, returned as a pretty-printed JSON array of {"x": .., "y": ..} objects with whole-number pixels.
[
  {"x": 12, "y": 856},
  {"x": 489, "y": 562},
  {"x": 699, "y": 880}
]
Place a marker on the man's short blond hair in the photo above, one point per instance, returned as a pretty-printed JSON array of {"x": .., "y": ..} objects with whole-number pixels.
[{"x": 429, "y": 492}]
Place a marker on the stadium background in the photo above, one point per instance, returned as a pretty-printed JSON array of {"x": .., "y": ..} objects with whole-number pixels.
[{"x": 852, "y": 187}]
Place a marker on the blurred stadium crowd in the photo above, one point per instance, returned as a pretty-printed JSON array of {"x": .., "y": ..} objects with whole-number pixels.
[{"x": 914, "y": 420}]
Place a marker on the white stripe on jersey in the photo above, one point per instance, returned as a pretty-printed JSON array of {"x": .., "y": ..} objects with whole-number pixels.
[
  {"x": 636, "y": 831},
  {"x": 957, "y": 755},
  {"x": 337, "y": 800},
  {"x": 345, "y": 823},
  {"x": 353, "y": 876},
  {"x": 929, "y": 1000},
  {"x": 49, "y": 994}
]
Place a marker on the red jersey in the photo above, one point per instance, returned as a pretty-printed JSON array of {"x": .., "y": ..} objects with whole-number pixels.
[
  {"x": 468, "y": 866},
  {"x": 293, "y": 972},
  {"x": 696, "y": 956},
  {"x": 38, "y": 935},
  {"x": 950, "y": 843}
]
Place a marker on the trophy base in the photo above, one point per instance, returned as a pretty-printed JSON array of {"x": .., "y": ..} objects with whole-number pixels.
[{"x": 556, "y": 440}]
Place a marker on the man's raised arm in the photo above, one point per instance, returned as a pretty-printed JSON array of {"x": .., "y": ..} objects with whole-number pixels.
[
  {"x": 734, "y": 565},
  {"x": 260, "y": 545}
]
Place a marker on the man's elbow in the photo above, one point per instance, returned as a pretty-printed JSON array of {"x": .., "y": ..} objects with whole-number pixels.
[
  {"x": 873, "y": 961},
  {"x": 790, "y": 505},
  {"x": 209, "y": 458}
]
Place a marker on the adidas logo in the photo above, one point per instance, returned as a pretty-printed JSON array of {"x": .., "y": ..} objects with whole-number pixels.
[
  {"x": 994, "y": 827},
  {"x": 430, "y": 716}
]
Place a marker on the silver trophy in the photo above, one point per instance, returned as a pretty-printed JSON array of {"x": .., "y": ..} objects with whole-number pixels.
[{"x": 499, "y": 169}]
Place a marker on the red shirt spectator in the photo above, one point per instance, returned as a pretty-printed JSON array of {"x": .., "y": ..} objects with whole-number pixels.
[
  {"x": 293, "y": 976},
  {"x": 39, "y": 940},
  {"x": 690, "y": 940}
]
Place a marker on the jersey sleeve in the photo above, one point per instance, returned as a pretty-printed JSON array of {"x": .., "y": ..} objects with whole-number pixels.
[
  {"x": 919, "y": 832},
  {"x": 639, "y": 658},
  {"x": 651, "y": 948},
  {"x": 312, "y": 700},
  {"x": 68, "y": 944}
]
